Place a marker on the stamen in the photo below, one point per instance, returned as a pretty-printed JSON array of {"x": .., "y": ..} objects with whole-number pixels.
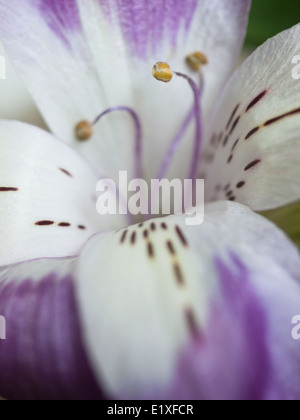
[
  {"x": 84, "y": 130},
  {"x": 196, "y": 60},
  {"x": 138, "y": 136},
  {"x": 197, "y": 113},
  {"x": 162, "y": 72}
]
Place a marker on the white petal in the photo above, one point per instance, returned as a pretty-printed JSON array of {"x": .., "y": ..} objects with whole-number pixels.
[
  {"x": 151, "y": 294},
  {"x": 143, "y": 301},
  {"x": 47, "y": 196},
  {"x": 15, "y": 101},
  {"x": 256, "y": 159},
  {"x": 83, "y": 57}
]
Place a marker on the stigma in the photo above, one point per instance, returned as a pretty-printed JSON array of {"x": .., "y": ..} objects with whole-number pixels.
[
  {"x": 84, "y": 130},
  {"x": 162, "y": 72},
  {"x": 196, "y": 60}
]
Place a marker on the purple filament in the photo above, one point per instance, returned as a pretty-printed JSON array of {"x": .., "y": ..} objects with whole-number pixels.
[
  {"x": 174, "y": 146},
  {"x": 197, "y": 112},
  {"x": 138, "y": 136}
]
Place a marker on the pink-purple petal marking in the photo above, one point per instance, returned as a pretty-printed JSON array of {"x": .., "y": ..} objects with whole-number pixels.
[
  {"x": 144, "y": 24},
  {"x": 43, "y": 355},
  {"x": 60, "y": 16}
]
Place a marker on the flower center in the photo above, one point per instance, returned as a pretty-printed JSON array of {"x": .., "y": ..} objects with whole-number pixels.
[{"x": 162, "y": 72}]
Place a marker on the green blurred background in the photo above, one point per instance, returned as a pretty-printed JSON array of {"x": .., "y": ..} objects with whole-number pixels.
[{"x": 268, "y": 17}]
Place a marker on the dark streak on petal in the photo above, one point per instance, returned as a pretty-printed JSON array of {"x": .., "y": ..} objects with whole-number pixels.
[
  {"x": 171, "y": 248},
  {"x": 141, "y": 225},
  {"x": 232, "y": 116},
  {"x": 227, "y": 187},
  {"x": 256, "y": 100},
  {"x": 181, "y": 236},
  {"x": 153, "y": 227},
  {"x": 124, "y": 236},
  {"x": 133, "y": 238},
  {"x": 179, "y": 275},
  {"x": 192, "y": 324},
  {"x": 8, "y": 189},
  {"x": 240, "y": 184},
  {"x": 235, "y": 144},
  {"x": 235, "y": 124},
  {"x": 64, "y": 225},
  {"x": 146, "y": 234},
  {"x": 81, "y": 227},
  {"x": 225, "y": 141},
  {"x": 230, "y": 159},
  {"x": 252, "y": 164},
  {"x": 66, "y": 172},
  {"x": 250, "y": 134},
  {"x": 44, "y": 223},
  {"x": 150, "y": 249},
  {"x": 288, "y": 114},
  {"x": 164, "y": 226}
]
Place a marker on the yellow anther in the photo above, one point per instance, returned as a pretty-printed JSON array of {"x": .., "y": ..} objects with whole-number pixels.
[
  {"x": 84, "y": 130},
  {"x": 196, "y": 60},
  {"x": 162, "y": 72}
]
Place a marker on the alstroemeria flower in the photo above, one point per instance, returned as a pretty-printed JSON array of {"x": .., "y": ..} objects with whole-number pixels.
[{"x": 96, "y": 309}]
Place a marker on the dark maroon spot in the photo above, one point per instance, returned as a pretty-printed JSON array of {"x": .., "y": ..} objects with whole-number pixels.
[
  {"x": 256, "y": 100},
  {"x": 240, "y": 184},
  {"x": 252, "y": 164},
  {"x": 250, "y": 134},
  {"x": 181, "y": 236},
  {"x": 179, "y": 275},
  {"x": 81, "y": 227},
  {"x": 171, "y": 248},
  {"x": 66, "y": 172},
  {"x": 64, "y": 225},
  {"x": 133, "y": 238},
  {"x": 225, "y": 141},
  {"x": 44, "y": 223},
  {"x": 229, "y": 193},
  {"x": 123, "y": 238},
  {"x": 232, "y": 116},
  {"x": 231, "y": 198},
  {"x": 146, "y": 234},
  {"x": 150, "y": 250},
  {"x": 235, "y": 144},
  {"x": 192, "y": 324},
  {"x": 164, "y": 226},
  {"x": 227, "y": 187},
  {"x": 153, "y": 227},
  {"x": 288, "y": 114},
  {"x": 8, "y": 189},
  {"x": 141, "y": 225},
  {"x": 235, "y": 124},
  {"x": 230, "y": 159}
]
